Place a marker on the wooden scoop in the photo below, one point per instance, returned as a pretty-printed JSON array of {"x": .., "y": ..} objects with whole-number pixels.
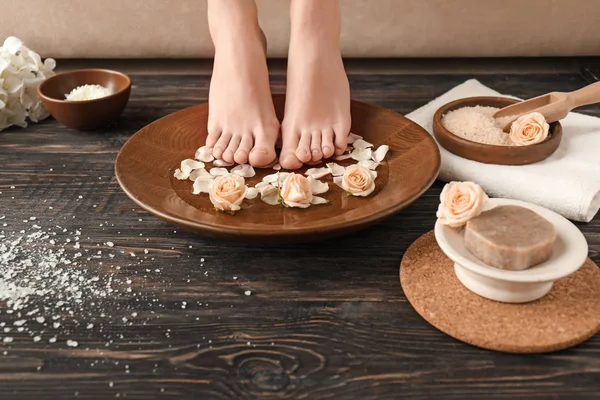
[{"x": 553, "y": 106}]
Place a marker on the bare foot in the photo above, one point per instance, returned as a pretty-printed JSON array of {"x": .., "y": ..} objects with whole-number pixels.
[
  {"x": 242, "y": 125},
  {"x": 317, "y": 108}
]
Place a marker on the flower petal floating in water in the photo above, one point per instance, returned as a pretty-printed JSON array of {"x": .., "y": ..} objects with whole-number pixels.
[
  {"x": 370, "y": 164},
  {"x": 227, "y": 192},
  {"x": 218, "y": 171},
  {"x": 271, "y": 178},
  {"x": 359, "y": 181},
  {"x": 222, "y": 163},
  {"x": 187, "y": 166},
  {"x": 260, "y": 186},
  {"x": 339, "y": 180},
  {"x": 361, "y": 144},
  {"x": 270, "y": 195},
  {"x": 251, "y": 193},
  {"x": 204, "y": 154},
  {"x": 244, "y": 170},
  {"x": 200, "y": 173},
  {"x": 202, "y": 185},
  {"x": 317, "y": 173},
  {"x": 380, "y": 153},
  {"x": 336, "y": 169},
  {"x": 317, "y": 186},
  {"x": 277, "y": 167},
  {"x": 361, "y": 154},
  {"x": 352, "y": 137},
  {"x": 318, "y": 200}
]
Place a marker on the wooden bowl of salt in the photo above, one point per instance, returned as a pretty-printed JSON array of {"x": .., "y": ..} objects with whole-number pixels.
[{"x": 501, "y": 152}]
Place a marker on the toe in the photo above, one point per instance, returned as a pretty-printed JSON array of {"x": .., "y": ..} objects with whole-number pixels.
[
  {"x": 214, "y": 133},
  {"x": 341, "y": 139},
  {"x": 232, "y": 148},
  {"x": 221, "y": 144},
  {"x": 303, "y": 152},
  {"x": 315, "y": 146},
  {"x": 241, "y": 155},
  {"x": 288, "y": 159},
  {"x": 327, "y": 146},
  {"x": 263, "y": 152}
]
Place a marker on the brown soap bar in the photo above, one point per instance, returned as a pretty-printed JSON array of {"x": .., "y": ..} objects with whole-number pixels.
[{"x": 510, "y": 237}]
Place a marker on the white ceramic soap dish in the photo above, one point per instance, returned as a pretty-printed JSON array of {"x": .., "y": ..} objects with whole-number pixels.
[{"x": 569, "y": 253}]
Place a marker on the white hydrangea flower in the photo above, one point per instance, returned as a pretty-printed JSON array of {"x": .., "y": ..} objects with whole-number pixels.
[{"x": 21, "y": 73}]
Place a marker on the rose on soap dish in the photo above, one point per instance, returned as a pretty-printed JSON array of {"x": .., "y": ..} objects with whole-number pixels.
[{"x": 462, "y": 201}]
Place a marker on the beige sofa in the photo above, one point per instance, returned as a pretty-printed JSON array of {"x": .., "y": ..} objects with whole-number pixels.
[{"x": 371, "y": 28}]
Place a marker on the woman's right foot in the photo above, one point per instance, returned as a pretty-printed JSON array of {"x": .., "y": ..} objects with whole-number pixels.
[{"x": 242, "y": 125}]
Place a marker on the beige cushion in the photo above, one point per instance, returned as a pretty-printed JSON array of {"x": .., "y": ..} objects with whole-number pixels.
[{"x": 371, "y": 28}]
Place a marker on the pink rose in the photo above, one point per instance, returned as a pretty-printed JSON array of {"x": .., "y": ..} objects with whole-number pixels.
[
  {"x": 358, "y": 181},
  {"x": 227, "y": 192},
  {"x": 459, "y": 202},
  {"x": 529, "y": 129},
  {"x": 296, "y": 191}
]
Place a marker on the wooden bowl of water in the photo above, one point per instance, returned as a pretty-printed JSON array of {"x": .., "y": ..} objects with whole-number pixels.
[
  {"x": 88, "y": 114},
  {"x": 487, "y": 153}
]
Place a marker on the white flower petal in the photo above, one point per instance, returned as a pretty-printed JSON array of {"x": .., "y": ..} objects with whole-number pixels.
[
  {"x": 318, "y": 200},
  {"x": 271, "y": 178},
  {"x": 373, "y": 174},
  {"x": 370, "y": 164},
  {"x": 277, "y": 167},
  {"x": 202, "y": 185},
  {"x": 342, "y": 157},
  {"x": 200, "y": 173},
  {"x": 336, "y": 169},
  {"x": 222, "y": 163},
  {"x": 179, "y": 174},
  {"x": 282, "y": 176},
  {"x": 262, "y": 185},
  {"x": 297, "y": 205},
  {"x": 353, "y": 138},
  {"x": 218, "y": 171},
  {"x": 251, "y": 193},
  {"x": 189, "y": 165},
  {"x": 244, "y": 170},
  {"x": 204, "y": 154},
  {"x": 317, "y": 172},
  {"x": 361, "y": 144},
  {"x": 318, "y": 187},
  {"x": 339, "y": 180},
  {"x": 361, "y": 154},
  {"x": 380, "y": 153},
  {"x": 270, "y": 195}
]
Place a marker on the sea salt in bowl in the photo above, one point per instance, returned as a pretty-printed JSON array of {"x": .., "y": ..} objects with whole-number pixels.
[
  {"x": 86, "y": 114},
  {"x": 492, "y": 154},
  {"x": 568, "y": 255}
]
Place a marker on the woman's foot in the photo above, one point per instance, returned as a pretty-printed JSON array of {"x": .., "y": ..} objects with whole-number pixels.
[
  {"x": 242, "y": 125},
  {"x": 317, "y": 108}
]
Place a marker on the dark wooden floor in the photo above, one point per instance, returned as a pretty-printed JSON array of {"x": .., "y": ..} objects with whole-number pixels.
[{"x": 323, "y": 321}]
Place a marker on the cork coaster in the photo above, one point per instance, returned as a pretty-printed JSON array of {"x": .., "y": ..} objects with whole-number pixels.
[{"x": 565, "y": 317}]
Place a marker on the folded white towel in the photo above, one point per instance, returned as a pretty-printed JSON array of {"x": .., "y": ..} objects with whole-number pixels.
[{"x": 567, "y": 182}]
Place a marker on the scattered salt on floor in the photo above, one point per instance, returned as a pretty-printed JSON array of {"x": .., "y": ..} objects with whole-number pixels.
[
  {"x": 476, "y": 124},
  {"x": 247, "y": 292},
  {"x": 72, "y": 343}
]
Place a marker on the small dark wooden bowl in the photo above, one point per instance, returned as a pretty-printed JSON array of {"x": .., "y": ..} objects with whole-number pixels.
[
  {"x": 490, "y": 154},
  {"x": 89, "y": 114}
]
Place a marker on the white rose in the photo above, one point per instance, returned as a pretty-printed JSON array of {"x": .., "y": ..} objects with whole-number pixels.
[
  {"x": 459, "y": 202},
  {"x": 227, "y": 192},
  {"x": 529, "y": 129},
  {"x": 358, "y": 181},
  {"x": 296, "y": 191}
]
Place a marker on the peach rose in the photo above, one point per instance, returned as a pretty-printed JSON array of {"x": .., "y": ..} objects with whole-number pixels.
[
  {"x": 358, "y": 181},
  {"x": 529, "y": 129},
  {"x": 296, "y": 191},
  {"x": 460, "y": 201},
  {"x": 227, "y": 192}
]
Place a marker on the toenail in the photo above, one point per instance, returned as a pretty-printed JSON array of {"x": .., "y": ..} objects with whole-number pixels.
[
  {"x": 260, "y": 150},
  {"x": 326, "y": 149},
  {"x": 241, "y": 152},
  {"x": 302, "y": 151}
]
